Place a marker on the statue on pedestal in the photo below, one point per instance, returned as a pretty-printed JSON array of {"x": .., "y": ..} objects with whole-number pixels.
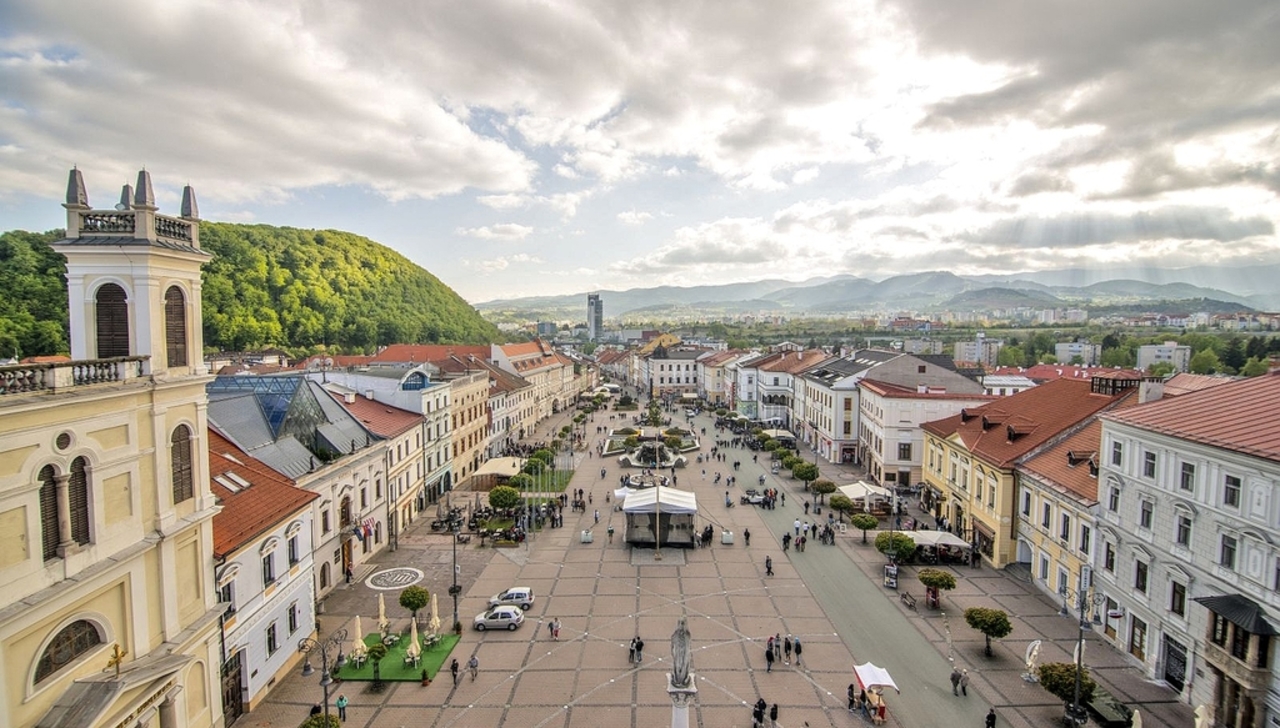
[{"x": 681, "y": 654}]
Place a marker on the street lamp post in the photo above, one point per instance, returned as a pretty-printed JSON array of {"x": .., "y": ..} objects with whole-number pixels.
[
  {"x": 455, "y": 590},
  {"x": 1075, "y": 712},
  {"x": 332, "y": 643}
]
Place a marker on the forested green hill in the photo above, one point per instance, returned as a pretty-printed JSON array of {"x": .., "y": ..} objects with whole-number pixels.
[{"x": 266, "y": 286}]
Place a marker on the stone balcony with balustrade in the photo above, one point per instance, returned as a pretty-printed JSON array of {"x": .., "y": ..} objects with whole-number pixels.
[{"x": 58, "y": 377}]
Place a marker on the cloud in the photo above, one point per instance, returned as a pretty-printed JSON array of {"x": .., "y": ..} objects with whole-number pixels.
[
  {"x": 501, "y": 263},
  {"x": 504, "y": 231},
  {"x": 504, "y": 202},
  {"x": 632, "y": 217},
  {"x": 1079, "y": 230}
]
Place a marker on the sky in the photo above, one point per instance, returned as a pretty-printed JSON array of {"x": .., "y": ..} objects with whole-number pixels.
[{"x": 519, "y": 148}]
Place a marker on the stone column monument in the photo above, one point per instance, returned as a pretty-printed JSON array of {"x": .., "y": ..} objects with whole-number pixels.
[{"x": 680, "y": 685}]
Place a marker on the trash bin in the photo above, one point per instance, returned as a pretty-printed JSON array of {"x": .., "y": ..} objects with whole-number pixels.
[
  {"x": 726, "y": 538},
  {"x": 587, "y": 536}
]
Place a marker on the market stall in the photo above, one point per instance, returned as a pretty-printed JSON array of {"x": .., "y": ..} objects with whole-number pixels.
[
  {"x": 872, "y": 680},
  {"x": 660, "y": 516},
  {"x": 867, "y": 497}
]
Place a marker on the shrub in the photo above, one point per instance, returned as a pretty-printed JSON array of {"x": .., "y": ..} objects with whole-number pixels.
[
  {"x": 504, "y": 496},
  {"x": 862, "y": 521},
  {"x": 937, "y": 579},
  {"x": 1059, "y": 678},
  {"x": 990, "y": 622},
  {"x": 895, "y": 544}
]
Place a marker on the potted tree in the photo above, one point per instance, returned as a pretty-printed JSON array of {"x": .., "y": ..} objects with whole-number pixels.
[
  {"x": 376, "y": 652},
  {"x": 415, "y": 598},
  {"x": 934, "y": 580},
  {"x": 1059, "y": 678},
  {"x": 862, "y": 521},
  {"x": 990, "y": 622}
]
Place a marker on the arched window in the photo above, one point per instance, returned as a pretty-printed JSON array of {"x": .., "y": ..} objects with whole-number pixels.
[
  {"x": 74, "y": 640},
  {"x": 113, "y": 322},
  {"x": 324, "y": 575},
  {"x": 180, "y": 461},
  {"x": 48, "y": 513},
  {"x": 175, "y": 326},
  {"x": 78, "y": 495}
]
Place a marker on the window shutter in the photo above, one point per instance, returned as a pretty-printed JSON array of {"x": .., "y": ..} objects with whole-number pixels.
[
  {"x": 113, "y": 322},
  {"x": 175, "y": 327},
  {"x": 78, "y": 493},
  {"x": 180, "y": 454},
  {"x": 48, "y": 513}
]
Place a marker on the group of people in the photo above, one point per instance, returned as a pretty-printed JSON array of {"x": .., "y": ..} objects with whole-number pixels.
[
  {"x": 760, "y": 711},
  {"x": 778, "y": 648},
  {"x": 635, "y": 654}
]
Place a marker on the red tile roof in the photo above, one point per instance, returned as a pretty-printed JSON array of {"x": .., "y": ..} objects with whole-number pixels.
[
  {"x": 1066, "y": 465},
  {"x": 1184, "y": 383},
  {"x": 381, "y": 419},
  {"x": 1049, "y": 372},
  {"x": 885, "y": 389},
  {"x": 793, "y": 362},
  {"x": 1003, "y": 431},
  {"x": 250, "y": 511},
  {"x": 419, "y": 353},
  {"x": 1237, "y": 416}
]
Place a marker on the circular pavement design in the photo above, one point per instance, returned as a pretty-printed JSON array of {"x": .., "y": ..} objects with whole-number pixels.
[{"x": 397, "y": 578}]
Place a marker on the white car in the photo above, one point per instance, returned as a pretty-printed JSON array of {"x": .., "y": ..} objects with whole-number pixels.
[
  {"x": 520, "y": 596},
  {"x": 506, "y": 616}
]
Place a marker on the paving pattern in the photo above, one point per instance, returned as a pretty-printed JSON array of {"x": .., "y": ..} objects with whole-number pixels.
[{"x": 605, "y": 593}]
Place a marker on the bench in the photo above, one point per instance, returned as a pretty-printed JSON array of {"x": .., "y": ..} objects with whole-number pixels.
[{"x": 908, "y": 600}]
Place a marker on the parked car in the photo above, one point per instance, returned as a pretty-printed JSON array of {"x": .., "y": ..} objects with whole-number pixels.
[
  {"x": 506, "y": 616},
  {"x": 752, "y": 496},
  {"x": 520, "y": 596}
]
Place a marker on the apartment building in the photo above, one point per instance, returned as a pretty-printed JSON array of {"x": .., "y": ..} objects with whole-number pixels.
[{"x": 1189, "y": 561}]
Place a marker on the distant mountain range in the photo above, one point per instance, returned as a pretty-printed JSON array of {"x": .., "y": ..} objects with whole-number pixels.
[{"x": 1183, "y": 290}]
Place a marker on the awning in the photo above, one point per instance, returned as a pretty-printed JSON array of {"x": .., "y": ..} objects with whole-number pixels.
[
  {"x": 871, "y": 676},
  {"x": 937, "y": 538},
  {"x": 863, "y": 489},
  {"x": 1239, "y": 610},
  {"x": 669, "y": 500}
]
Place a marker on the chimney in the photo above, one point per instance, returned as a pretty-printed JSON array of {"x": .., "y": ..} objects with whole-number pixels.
[
  {"x": 1150, "y": 390},
  {"x": 349, "y": 398},
  {"x": 368, "y": 394}
]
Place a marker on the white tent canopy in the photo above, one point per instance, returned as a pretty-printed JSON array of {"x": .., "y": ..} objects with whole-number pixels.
[
  {"x": 870, "y": 676},
  {"x": 937, "y": 538},
  {"x": 669, "y": 500},
  {"x": 863, "y": 489}
]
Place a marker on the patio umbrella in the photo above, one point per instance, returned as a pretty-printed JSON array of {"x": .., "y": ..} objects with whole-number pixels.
[
  {"x": 435, "y": 614},
  {"x": 357, "y": 639},
  {"x": 382, "y": 613},
  {"x": 1137, "y": 719},
  {"x": 414, "y": 649}
]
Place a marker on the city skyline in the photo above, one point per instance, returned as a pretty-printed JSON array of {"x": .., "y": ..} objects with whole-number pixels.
[{"x": 517, "y": 150}]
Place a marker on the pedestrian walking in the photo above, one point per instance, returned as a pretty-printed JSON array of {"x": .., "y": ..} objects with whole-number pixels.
[
  {"x": 964, "y": 683},
  {"x": 473, "y": 666},
  {"x": 453, "y": 669},
  {"x": 786, "y": 651},
  {"x": 597, "y": 515},
  {"x": 797, "y": 525},
  {"x": 341, "y": 704},
  {"x": 746, "y": 536},
  {"x": 757, "y": 714},
  {"x": 768, "y": 645},
  {"x": 852, "y": 695},
  {"x": 768, "y": 566},
  {"x": 768, "y": 661},
  {"x": 773, "y": 715},
  {"x": 639, "y": 650},
  {"x": 796, "y": 648},
  {"x": 955, "y": 681},
  {"x": 777, "y": 647},
  {"x": 991, "y": 718}
]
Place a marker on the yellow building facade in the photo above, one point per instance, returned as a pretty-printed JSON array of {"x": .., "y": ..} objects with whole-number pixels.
[{"x": 109, "y": 617}]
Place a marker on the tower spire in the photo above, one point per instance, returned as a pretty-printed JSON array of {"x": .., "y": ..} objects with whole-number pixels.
[
  {"x": 143, "y": 196},
  {"x": 77, "y": 197}
]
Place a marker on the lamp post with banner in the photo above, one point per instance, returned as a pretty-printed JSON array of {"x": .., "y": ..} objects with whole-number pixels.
[
  {"x": 332, "y": 643},
  {"x": 1083, "y": 598}
]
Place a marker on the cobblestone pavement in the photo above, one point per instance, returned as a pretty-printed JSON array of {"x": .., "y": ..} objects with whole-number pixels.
[{"x": 604, "y": 594}]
